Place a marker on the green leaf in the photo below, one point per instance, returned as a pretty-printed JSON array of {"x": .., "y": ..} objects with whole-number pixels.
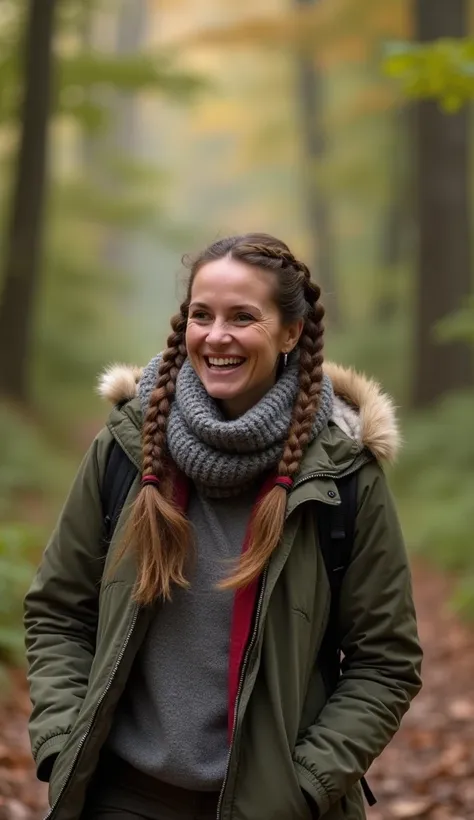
[{"x": 442, "y": 70}]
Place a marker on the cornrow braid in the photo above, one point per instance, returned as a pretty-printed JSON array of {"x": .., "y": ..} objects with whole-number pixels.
[{"x": 270, "y": 252}]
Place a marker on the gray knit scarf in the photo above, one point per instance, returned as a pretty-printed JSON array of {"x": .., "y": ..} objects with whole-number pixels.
[{"x": 224, "y": 457}]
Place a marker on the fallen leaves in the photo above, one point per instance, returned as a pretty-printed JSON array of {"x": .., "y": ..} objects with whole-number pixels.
[
  {"x": 427, "y": 772},
  {"x": 22, "y": 797},
  {"x": 411, "y": 808}
]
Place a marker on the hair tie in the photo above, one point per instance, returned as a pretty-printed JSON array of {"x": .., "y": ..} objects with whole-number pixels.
[
  {"x": 284, "y": 481},
  {"x": 150, "y": 479}
]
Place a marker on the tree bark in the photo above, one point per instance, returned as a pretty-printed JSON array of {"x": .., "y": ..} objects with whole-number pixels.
[
  {"x": 23, "y": 242},
  {"x": 309, "y": 84},
  {"x": 444, "y": 276}
]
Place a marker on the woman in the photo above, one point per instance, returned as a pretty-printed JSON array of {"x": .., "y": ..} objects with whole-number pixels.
[{"x": 177, "y": 672}]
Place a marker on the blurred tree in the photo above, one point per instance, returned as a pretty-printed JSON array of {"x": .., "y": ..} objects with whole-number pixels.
[
  {"x": 340, "y": 39},
  {"x": 310, "y": 94},
  {"x": 82, "y": 210},
  {"x": 397, "y": 229},
  {"x": 23, "y": 245},
  {"x": 124, "y": 137},
  {"x": 131, "y": 31},
  {"x": 121, "y": 138},
  {"x": 444, "y": 277}
]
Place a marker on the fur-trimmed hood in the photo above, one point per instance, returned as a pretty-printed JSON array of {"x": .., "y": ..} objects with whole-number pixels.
[{"x": 361, "y": 409}]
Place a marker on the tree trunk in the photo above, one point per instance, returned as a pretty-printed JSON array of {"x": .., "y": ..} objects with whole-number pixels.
[
  {"x": 23, "y": 242},
  {"x": 309, "y": 82},
  {"x": 397, "y": 231},
  {"x": 124, "y": 136},
  {"x": 133, "y": 18},
  {"x": 444, "y": 277}
]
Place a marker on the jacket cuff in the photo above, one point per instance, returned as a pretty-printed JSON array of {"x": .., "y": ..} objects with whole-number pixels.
[
  {"x": 47, "y": 754},
  {"x": 313, "y": 787}
]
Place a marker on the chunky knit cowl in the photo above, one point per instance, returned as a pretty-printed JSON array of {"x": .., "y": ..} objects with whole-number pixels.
[{"x": 224, "y": 457}]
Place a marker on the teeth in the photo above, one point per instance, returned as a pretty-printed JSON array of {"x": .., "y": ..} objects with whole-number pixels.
[{"x": 223, "y": 362}]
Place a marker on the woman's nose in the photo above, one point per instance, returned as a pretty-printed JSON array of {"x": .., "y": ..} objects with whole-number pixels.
[{"x": 218, "y": 333}]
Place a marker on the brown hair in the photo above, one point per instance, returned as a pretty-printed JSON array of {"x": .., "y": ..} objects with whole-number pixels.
[{"x": 157, "y": 531}]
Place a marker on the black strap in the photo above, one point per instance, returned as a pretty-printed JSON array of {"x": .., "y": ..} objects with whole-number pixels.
[
  {"x": 118, "y": 478},
  {"x": 336, "y": 526},
  {"x": 336, "y": 536},
  {"x": 368, "y": 793}
]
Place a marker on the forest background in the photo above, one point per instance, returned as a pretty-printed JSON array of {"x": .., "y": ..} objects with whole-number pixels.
[{"x": 133, "y": 131}]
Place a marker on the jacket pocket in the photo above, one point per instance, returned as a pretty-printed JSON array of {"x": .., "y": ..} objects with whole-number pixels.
[{"x": 48, "y": 753}]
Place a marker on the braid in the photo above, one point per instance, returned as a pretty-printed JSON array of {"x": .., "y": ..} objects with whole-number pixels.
[
  {"x": 258, "y": 253},
  {"x": 154, "y": 428},
  {"x": 157, "y": 531},
  {"x": 310, "y": 378},
  {"x": 268, "y": 523}
]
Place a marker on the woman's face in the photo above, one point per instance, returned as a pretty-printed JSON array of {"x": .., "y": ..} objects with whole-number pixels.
[{"x": 234, "y": 334}]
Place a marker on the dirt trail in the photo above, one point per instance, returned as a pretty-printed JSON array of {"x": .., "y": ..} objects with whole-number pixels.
[
  {"x": 428, "y": 769},
  {"x": 427, "y": 772}
]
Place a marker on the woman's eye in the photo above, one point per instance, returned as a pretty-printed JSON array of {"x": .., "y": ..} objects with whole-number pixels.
[
  {"x": 244, "y": 317},
  {"x": 200, "y": 315}
]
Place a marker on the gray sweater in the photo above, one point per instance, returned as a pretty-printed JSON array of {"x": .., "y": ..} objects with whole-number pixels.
[{"x": 172, "y": 720}]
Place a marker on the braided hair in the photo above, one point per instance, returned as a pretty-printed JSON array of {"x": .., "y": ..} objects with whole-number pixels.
[
  {"x": 297, "y": 297},
  {"x": 157, "y": 531}
]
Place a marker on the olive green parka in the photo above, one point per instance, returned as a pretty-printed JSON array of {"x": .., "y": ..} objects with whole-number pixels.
[{"x": 83, "y": 629}]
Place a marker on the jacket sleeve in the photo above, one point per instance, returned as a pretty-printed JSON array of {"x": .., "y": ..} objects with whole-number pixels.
[
  {"x": 382, "y": 654},
  {"x": 61, "y": 610}
]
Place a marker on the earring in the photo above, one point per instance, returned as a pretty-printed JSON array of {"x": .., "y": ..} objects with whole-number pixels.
[{"x": 285, "y": 359}]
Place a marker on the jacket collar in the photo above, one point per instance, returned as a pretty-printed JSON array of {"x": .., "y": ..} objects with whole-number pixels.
[{"x": 363, "y": 425}]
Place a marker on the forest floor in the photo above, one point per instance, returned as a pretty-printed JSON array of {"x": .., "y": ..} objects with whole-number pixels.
[{"x": 426, "y": 773}]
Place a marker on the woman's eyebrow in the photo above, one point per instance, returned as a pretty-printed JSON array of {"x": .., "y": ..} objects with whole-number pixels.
[{"x": 252, "y": 308}]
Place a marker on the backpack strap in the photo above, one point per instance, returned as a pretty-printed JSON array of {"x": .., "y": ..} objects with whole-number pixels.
[
  {"x": 119, "y": 476},
  {"x": 336, "y": 525}
]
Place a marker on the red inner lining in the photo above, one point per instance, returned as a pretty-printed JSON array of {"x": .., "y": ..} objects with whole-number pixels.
[{"x": 242, "y": 619}]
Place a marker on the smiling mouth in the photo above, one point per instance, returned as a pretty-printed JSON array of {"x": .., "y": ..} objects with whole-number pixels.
[{"x": 224, "y": 363}]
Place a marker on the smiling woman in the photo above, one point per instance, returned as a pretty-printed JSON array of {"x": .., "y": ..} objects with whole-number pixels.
[
  {"x": 181, "y": 670},
  {"x": 235, "y": 334}
]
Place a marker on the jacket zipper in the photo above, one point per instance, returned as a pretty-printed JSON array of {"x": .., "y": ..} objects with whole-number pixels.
[
  {"x": 98, "y": 705},
  {"x": 368, "y": 794},
  {"x": 352, "y": 469},
  {"x": 253, "y": 638},
  {"x": 243, "y": 672}
]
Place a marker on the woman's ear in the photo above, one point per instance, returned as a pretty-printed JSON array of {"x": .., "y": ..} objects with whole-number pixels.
[{"x": 293, "y": 333}]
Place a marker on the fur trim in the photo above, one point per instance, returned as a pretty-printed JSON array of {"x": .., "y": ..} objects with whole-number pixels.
[
  {"x": 375, "y": 425},
  {"x": 361, "y": 409},
  {"x": 119, "y": 383}
]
